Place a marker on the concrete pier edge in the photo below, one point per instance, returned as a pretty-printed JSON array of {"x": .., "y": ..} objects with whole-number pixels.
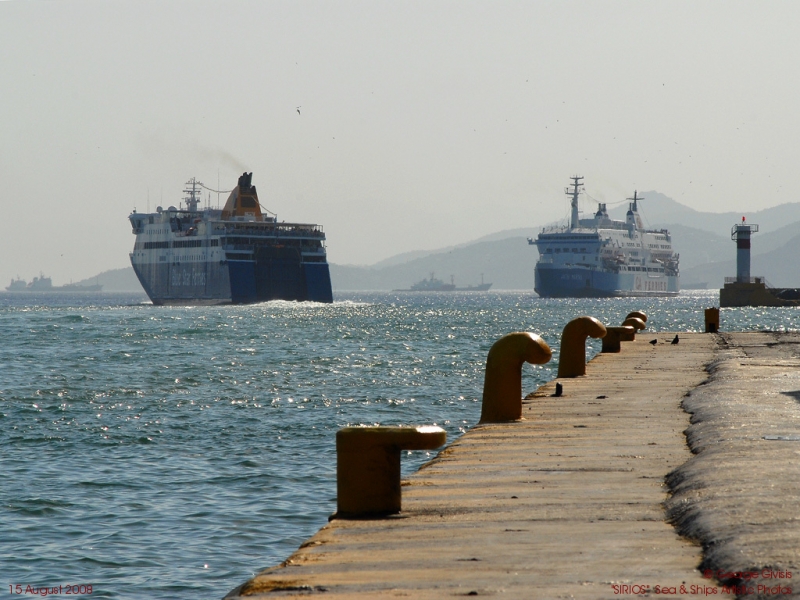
[
  {"x": 738, "y": 494},
  {"x": 594, "y": 494}
]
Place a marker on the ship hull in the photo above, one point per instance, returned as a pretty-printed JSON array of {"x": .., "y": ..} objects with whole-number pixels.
[
  {"x": 236, "y": 255},
  {"x": 602, "y": 257},
  {"x": 235, "y": 281},
  {"x": 555, "y": 282}
]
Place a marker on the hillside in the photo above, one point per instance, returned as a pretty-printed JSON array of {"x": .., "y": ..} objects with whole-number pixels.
[
  {"x": 698, "y": 247},
  {"x": 507, "y": 261},
  {"x": 116, "y": 280},
  {"x": 702, "y": 239},
  {"x": 779, "y": 266},
  {"x": 657, "y": 209}
]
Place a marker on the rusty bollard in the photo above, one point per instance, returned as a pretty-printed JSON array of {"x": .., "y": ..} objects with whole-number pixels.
[
  {"x": 502, "y": 384},
  {"x": 712, "y": 320},
  {"x": 637, "y": 314},
  {"x": 368, "y": 466},
  {"x": 572, "y": 359},
  {"x": 615, "y": 335}
]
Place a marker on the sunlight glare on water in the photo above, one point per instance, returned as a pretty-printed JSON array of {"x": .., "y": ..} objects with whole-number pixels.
[{"x": 167, "y": 452}]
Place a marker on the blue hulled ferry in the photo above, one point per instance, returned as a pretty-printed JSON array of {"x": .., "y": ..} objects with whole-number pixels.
[
  {"x": 236, "y": 255},
  {"x": 601, "y": 257}
]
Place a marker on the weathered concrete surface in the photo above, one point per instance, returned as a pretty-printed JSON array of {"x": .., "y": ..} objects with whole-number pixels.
[
  {"x": 739, "y": 496},
  {"x": 565, "y": 504}
]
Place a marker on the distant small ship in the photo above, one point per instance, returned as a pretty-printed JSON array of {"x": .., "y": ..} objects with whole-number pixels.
[
  {"x": 437, "y": 285},
  {"x": 45, "y": 284}
]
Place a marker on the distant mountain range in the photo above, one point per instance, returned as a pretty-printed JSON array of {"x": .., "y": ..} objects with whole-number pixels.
[{"x": 507, "y": 260}]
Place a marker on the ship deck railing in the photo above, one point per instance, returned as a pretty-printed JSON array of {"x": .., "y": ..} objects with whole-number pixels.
[{"x": 273, "y": 229}]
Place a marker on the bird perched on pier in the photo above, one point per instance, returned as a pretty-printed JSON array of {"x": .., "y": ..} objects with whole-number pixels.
[
  {"x": 675, "y": 339},
  {"x": 559, "y": 390},
  {"x": 654, "y": 342}
]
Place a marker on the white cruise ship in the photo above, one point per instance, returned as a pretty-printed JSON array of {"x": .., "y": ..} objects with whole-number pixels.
[{"x": 602, "y": 257}]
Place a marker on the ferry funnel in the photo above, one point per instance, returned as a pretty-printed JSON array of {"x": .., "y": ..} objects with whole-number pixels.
[{"x": 740, "y": 233}]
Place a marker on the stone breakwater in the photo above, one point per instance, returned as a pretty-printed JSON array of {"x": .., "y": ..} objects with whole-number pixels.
[
  {"x": 595, "y": 493},
  {"x": 738, "y": 494}
]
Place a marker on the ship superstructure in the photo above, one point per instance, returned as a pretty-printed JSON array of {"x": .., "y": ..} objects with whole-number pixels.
[
  {"x": 237, "y": 254},
  {"x": 603, "y": 257}
]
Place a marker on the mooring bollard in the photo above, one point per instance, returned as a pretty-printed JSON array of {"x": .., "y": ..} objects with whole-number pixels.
[
  {"x": 637, "y": 314},
  {"x": 502, "y": 384},
  {"x": 712, "y": 320},
  {"x": 368, "y": 466},
  {"x": 637, "y": 324},
  {"x": 572, "y": 359},
  {"x": 615, "y": 335}
]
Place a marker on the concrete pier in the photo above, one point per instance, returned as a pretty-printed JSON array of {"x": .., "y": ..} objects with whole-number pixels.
[{"x": 574, "y": 501}]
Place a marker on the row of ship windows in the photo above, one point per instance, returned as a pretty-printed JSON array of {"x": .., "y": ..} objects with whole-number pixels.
[
  {"x": 179, "y": 259},
  {"x": 215, "y": 242},
  {"x": 650, "y": 269},
  {"x": 176, "y": 244},
  {"x": 164, "y": 258},
  {"x": 582, "y": 250},
  {"x": 189, "y": 258},
  {"x": 229, "y": 256},
  {"x": 627, "y": 245},
  {"x": 577, "y": 251},
  {"x": 661, "y": 246},
  {"x": 248, "y": 241}
]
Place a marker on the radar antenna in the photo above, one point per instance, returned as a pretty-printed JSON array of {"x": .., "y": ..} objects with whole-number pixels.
[
  {"x": 634, "y": 200},
  {"x": 192, "y": 194}
]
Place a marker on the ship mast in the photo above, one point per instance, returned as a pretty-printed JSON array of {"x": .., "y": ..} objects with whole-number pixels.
[
  {"x": 633, "y": 212},
  {"x": 574, "y": 190},
  {"x": 192, "y": 194}
]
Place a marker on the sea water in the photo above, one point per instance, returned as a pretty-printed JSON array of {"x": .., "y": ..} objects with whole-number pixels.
[{"x": 173, "y": 452}]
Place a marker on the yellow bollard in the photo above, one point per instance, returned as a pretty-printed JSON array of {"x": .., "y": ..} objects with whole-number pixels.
[
  {"x": 502, "y": 384},
  {"x": 368, "y": 466},
  {"x": 712, "y": 320},
  {"x": 638, "y": 315},
  {"x": 615, "y": 335},
  {"x": 572, "y": 360},
  {"x": 637, "y": 325}
]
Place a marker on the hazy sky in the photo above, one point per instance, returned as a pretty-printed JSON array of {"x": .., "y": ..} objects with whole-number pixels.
[{"x": 422, "y": 124}]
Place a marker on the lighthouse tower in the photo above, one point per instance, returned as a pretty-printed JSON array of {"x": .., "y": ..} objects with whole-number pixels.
[
  {"x": 740, "y": 233},
  {"x": 743, "y": 291}
]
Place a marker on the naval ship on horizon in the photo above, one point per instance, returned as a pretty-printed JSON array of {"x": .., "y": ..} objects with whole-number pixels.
[
  {"x": 236, "y": 255},
  {"x": 602, "y": 257},
  {"x": 437, "y": 285},
  {"x": 45, "y": 284}
]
